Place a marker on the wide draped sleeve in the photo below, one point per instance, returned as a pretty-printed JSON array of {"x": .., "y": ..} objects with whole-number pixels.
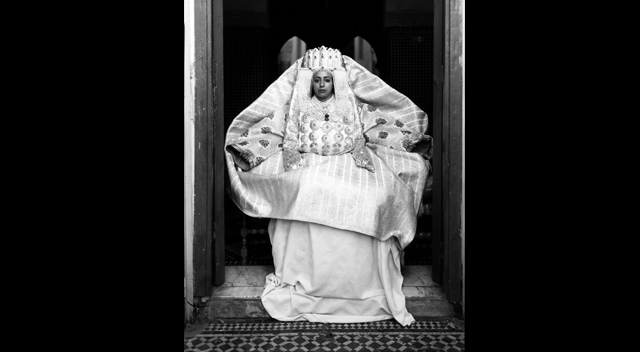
[
  {"x": 257, "y": 133},
  {"x": 389, "y": 118}
]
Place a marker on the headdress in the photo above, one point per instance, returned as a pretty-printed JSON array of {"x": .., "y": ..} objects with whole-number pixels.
[{"x": 322, "y": 58}]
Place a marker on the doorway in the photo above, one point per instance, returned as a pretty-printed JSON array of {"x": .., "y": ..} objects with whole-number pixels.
[
  {"x": 393, "y": 39},
  {"x": 263, "y": 26}
]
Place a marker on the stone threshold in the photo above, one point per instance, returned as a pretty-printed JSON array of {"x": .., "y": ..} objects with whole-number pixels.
[{"x": 239, "y": 296}]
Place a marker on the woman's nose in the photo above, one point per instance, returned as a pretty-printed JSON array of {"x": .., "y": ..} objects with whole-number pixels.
[{"x": 321, "y": 83}]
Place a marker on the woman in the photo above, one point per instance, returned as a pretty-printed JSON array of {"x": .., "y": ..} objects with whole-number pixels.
[{"x": 325, "y": 152}]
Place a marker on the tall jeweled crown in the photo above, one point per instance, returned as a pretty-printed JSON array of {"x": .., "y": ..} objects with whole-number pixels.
[{"x": 326, "y": 58}]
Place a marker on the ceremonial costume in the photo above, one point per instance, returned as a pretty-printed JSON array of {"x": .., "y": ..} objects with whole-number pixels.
[{"x": 341, "y": 184}]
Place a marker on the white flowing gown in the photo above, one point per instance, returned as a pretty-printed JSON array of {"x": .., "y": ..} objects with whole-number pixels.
[
  {"x": 340, "y": 227},
  {"x": 324, "y": 274}
]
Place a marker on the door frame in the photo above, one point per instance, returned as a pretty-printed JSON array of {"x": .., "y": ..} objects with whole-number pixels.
[
  {"x": 447, "y": 151},
  {"x": 208, "y": 238},
  {"x": 208, "y": 244}
]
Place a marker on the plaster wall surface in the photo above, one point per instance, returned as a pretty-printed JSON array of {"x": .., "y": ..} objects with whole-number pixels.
[{"x": 189, "y": 156}]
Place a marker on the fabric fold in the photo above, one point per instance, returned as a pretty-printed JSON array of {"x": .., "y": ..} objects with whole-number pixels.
[{"x": 324, "y": 274}]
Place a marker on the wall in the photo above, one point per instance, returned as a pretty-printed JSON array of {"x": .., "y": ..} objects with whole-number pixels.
[{"x": 189, "y": 132}]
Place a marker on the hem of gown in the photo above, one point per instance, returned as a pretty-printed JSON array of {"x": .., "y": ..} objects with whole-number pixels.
[
  {"x": 387, "y": 302},
  {"x": 328, "y": 318},
  {"x": 315, "y": 317}
]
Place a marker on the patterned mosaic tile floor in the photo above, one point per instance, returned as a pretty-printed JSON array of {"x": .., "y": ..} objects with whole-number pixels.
[{"x": 270, "y": 335}]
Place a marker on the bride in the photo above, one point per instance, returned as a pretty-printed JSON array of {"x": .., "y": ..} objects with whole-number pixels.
[{"x": 325, "y": 153}]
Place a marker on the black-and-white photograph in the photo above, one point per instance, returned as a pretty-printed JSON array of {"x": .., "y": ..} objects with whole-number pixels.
[{"x": 324, "y": 187}]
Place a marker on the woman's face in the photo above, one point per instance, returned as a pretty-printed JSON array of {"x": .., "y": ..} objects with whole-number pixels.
[{"x": 322, "y": 85}]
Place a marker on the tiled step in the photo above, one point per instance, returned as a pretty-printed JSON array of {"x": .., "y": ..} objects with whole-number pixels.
[{"x": 239, "y": 296}]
